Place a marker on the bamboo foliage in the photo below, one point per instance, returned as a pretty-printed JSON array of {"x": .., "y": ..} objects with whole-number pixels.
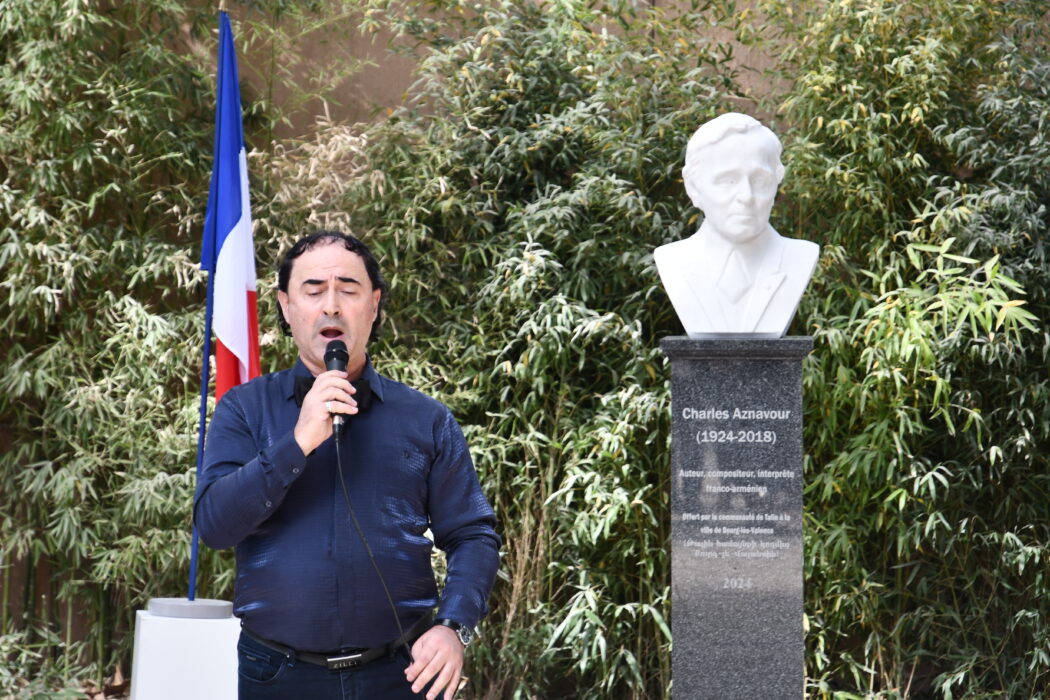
[
  {"x": 920, "y": 147},
  {"x": 96, "y": 207}
]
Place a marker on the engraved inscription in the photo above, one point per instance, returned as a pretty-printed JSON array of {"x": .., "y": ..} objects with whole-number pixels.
[{"x": 732, "y": 516}]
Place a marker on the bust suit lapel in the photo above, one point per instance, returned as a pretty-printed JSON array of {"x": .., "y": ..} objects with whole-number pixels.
[
  {"x": 702, "y": 282},
  {"x": 758, "y": 299},
  {"x": 767, "y": 282}
]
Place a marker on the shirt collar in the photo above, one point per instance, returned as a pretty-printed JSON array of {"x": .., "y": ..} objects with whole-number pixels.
[
  {"x": 373, "y": 378},
  {"x": 300, "y": 370}
]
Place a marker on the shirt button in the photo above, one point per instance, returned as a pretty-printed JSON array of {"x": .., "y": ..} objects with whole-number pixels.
[
  {"x": 268, "y": 504},
  {"x": 295, "y": 470}
]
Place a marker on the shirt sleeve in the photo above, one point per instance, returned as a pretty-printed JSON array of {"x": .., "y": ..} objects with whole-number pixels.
[
  {"x": 240, "y": 486},
  {"x": 464, "y": 527}
]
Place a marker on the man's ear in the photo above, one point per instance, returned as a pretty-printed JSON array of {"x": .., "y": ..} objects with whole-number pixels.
[
  {"x": 376, "y": 294},
  {"x": 282, "y": 299}
]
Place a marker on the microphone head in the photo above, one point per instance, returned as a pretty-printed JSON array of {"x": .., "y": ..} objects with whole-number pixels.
[{"x": 336, "y": 356}]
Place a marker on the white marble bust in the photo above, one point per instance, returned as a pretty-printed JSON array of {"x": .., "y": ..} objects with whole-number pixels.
[{"x": 736, "y": 276}]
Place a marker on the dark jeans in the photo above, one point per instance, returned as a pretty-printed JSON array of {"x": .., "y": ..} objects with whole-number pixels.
[{"x": 265, "y": 674}]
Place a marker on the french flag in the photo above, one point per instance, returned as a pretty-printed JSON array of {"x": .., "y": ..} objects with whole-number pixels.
[{"x": 228, "y": 252}]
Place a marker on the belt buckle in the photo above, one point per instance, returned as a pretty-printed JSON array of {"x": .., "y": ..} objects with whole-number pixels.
[{"x": 336, "y": 663}]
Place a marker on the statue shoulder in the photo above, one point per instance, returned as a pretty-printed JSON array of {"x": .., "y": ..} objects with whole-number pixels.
[
  {"x": 800, "y": 258},
  {"x": 799, "y": 249},
  {"x": 670, "y": 251}
]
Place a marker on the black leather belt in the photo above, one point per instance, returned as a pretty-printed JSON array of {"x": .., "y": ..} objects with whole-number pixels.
[{"x": 337, "y": 661}]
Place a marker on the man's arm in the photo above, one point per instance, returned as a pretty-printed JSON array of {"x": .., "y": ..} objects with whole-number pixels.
[
  {"x": 463, "y": 524},
  {"x": 438, "y": 654},
  {"x": 241, "y": 486},
  {"x": 464, "y": 527}
]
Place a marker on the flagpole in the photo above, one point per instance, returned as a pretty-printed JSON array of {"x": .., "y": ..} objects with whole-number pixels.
[
  {"x": 230, "y": 311},
  {"x": 205, "y": 374},
  {"x": 202, "y": 425}
]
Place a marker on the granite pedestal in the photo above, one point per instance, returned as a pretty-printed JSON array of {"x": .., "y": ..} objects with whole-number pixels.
[{"x": 736, "y": 509}]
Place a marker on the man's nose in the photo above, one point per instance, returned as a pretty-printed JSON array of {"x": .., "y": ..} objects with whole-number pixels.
[{"x": 331, "y": 303}]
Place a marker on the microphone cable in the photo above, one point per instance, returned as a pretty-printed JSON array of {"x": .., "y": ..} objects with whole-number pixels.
[{"x": 368, "y": 549}]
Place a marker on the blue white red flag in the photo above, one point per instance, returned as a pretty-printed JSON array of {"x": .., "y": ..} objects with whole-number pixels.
[{"x": 228, "y": 252}]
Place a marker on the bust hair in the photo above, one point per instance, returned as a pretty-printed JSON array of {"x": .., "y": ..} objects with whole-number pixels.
[
  {"x": 351, "y": 243},
  {"x": 713, "y": 131}
]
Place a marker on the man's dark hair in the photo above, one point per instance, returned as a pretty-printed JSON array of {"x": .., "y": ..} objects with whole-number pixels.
[{"x": 312, "y": 240}]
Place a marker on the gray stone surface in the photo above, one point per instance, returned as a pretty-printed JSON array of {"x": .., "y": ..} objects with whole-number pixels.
[{"x": 736, "y": 510}]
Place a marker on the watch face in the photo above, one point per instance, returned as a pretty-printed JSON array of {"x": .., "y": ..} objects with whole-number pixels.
[{"x": 465, "y": 635}]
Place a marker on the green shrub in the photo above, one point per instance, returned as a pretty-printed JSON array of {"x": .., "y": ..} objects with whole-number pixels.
[
  {"x": 104, "y": 147},
  {"x": 919, "y": 154}
]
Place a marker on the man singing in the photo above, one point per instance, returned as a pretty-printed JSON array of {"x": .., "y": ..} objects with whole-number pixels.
[{"x": 316, "y": 595}]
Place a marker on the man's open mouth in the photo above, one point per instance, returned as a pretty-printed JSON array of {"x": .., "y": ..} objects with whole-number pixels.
[{"x": 331, "y": 333}]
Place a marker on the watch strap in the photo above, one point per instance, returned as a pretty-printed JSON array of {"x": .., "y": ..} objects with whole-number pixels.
[{"x": 466, "y": 635}]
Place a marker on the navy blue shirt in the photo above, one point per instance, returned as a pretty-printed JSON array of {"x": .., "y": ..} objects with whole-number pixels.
[{"x": 303, "y": 575}]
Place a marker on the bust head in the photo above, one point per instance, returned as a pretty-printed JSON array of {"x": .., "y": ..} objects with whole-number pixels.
[{"x": 732, "y": 169}]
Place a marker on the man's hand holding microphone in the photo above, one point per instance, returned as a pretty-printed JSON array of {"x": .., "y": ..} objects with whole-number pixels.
[{"x": 326, "y": 404}]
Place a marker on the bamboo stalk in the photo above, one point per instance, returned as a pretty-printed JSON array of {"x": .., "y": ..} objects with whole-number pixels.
[
  {"x": 29, "y": 596},
  {"x": 5, "y": 618},
  {"x": 66, "y": 660},
  {"x": 101, "y": 637},
  {"x": 47, "y": 653}
]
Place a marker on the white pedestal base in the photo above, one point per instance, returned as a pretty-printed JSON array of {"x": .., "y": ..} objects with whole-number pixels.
[{"x": 192, "y": 655}]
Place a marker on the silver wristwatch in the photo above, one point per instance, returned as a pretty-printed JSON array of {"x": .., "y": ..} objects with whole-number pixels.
[{"x": 466, "y": 634}]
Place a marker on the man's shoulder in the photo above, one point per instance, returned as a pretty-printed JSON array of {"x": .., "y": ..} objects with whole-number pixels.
[
  {"x": 394, "y": 390},
  {"x": 673, "y": 262},
  {"x": 263, "y": 385}
]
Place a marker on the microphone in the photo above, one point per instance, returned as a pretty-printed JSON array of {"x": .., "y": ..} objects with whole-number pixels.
[{"x": 336, "y": 357}]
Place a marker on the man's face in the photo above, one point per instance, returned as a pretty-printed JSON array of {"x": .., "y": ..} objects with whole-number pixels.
[
  {"x": 330, "y": 296},
  {"x": 734, "y": 184}
]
